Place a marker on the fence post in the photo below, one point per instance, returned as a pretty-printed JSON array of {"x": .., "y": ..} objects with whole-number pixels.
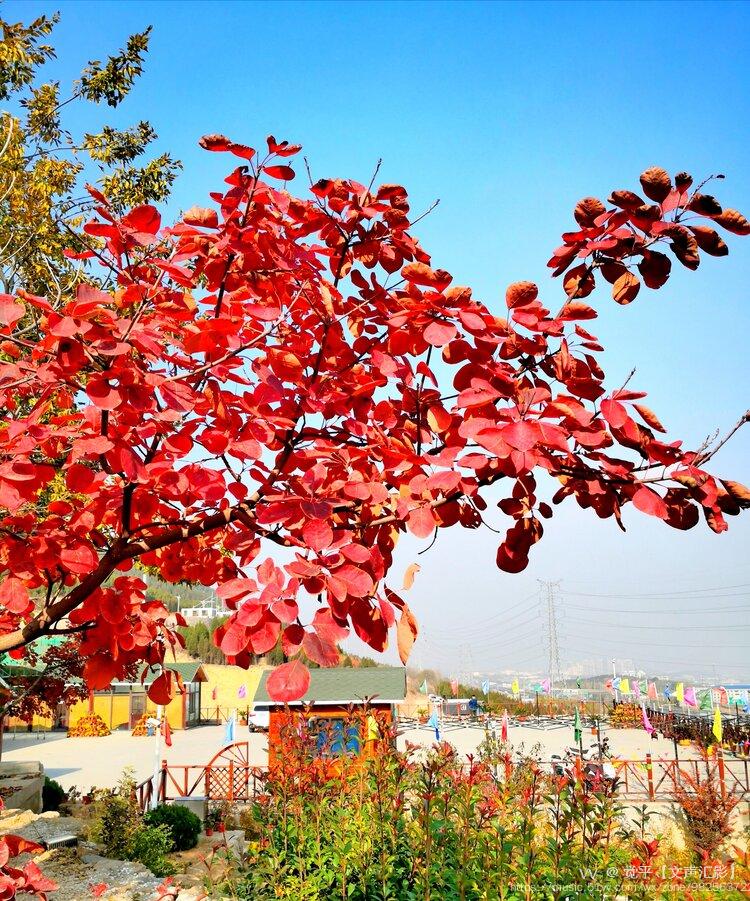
[
  {"x": 720, "y": 761},
  {"x": 231, "y": 780},
  {"x": 650, "y": 775},
  {"x": 162, "y": 788}
]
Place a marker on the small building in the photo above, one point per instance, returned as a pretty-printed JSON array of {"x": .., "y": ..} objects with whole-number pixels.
[
  {"x": 123, "y": 704},
  {"x": 336, "y": 707},
  {"x": 735, "y": 694}
]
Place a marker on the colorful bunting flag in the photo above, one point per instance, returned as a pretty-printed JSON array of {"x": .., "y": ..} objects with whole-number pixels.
[
  {"x": 504, "y": 727},
  {"x": 609, "y": 685},
  {"x": 679, "y": 692},
  {"x": 434, "y": 723},
  {"x": 637, "y": 691},
  {"x": 624, "y": 686},
  {"x": 704, "y": 699},
  {"x": 718, "y": 726},
  {"x": 690, "y": 698},
  {"x": 229, "y": 731},
  {"x": 646, "y": 721},
  {"x": 166, "y": 732},
  {"x": 667, "y": 692},
  {"x": 577, "y": 730},
  {"x": 723, "y": 697},
  {"x": 242, "y": 691},
  {"x": 643, "y": 686},
  {"x": 652, "y": 693},
  {"x": 423, "y": 687},
  {"x": 514, "y": 687},
  {"x": 454, "y": 687},
  {"x": 545, "y": 686},
  {"x": 486, "y": 687},
  {"x": 578, "y": 682}
]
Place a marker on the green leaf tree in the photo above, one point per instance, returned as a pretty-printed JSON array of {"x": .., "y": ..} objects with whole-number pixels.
[{"x": 43, "y": 165}]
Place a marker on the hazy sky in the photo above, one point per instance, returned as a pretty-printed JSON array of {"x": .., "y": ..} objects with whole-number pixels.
[{"x": 509, "y": 113}]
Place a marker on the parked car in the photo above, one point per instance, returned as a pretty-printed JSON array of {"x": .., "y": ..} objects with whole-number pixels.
[{"x": 258, "y": 720}]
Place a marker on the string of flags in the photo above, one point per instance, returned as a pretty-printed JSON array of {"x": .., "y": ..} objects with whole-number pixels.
[{"x": 690, "y": 696}]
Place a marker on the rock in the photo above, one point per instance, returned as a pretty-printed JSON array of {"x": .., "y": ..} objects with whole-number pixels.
[
  {"x": 50, "y": 814},
  {"x": 21, "y": 784},
  {"x": 19, "y": 820}
]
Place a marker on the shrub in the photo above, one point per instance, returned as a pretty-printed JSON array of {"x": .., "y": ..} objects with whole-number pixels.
[
  {"x": 706, "y": 814},
  {"x": 183, "y": 824},
  {"x": 150, "y": 845},
  {"x": 125, "y": 834},
  {"x": 53, "y": 794}
]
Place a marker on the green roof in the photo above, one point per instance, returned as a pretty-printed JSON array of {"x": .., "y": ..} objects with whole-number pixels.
[
  {"x": 190, "y": 672},
  {"x": 346, "y": 685}
]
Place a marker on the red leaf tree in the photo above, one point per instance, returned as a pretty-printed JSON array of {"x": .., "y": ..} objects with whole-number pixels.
[{"x": 263, "y": 373}]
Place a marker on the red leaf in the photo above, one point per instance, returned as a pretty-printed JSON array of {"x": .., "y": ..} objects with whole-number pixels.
[
  {"x": 358, "y": 583},
  {"x": 162, "y": 689},
  {"x": 218, "y": 143},
  {"x": 318, "y": 534},
  {"x": 288, "y": 682},
  {"x": 421, "y": 522},
  {"x": 79, "y": 560},
  {"x": 144, "y": 218},
  {"x": 10, "y": 310},
  {"x": 411, "y": 570},
  {"x": 99, "y": 671},
  {"x": 102, "y": 394},
  {"x": 291, "y": 639},
  {"x": 439, "y": 333},
  {"x": 406, "y": 633},
  {"x": 615, "y": 413},
  {"x": 324, "y": 653},
  {"x": 522, "y": 435},
  {"x": 649, "y": 417},
  {"x": 656, "y": 183},
  {"x": 648, "y": 501},
  {"x": 625, "y": 288},
  {"x": 733, "y": 221},
  {"x": 422, "y": 274},
  {"x": 520, "y": 294},
  {"x": 202, "y": 216},
  {"x": 285, "y": 173},
  {"x": 14, "y": 595}
]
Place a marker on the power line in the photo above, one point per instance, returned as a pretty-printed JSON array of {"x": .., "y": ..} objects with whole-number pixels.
[
  {"x": 703, "y": 627},
  {"x": 696, "y": 592},
  {"x": 652, "y": 610}
]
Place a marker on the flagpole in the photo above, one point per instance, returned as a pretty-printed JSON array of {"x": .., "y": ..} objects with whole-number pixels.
[{"x": 157, "y": 759}]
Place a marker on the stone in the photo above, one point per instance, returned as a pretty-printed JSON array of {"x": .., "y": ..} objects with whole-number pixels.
[
  {"x": 21, "y": 783},
  {"x": 195, "y": 804}
]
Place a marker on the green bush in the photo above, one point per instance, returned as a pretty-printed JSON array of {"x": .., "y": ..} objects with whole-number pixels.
[
  {"x": 184, "y": 825},
  {"x": 53, "y": 794},
  {"x": 125, "y": 834},
  {"x": 150, "y": 845}
]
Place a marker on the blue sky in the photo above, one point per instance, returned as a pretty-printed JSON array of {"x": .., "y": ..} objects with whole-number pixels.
[{"x": 509, "y": 113}]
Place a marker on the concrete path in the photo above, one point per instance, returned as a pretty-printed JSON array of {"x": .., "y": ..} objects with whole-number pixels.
[{"x": 87, "y": 762}]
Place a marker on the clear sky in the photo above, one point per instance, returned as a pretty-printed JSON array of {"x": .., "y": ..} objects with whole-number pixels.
[{"x": 509, "y": 113}]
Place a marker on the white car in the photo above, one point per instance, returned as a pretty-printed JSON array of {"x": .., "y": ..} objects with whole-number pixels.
[{"x": 258, "y": 720}]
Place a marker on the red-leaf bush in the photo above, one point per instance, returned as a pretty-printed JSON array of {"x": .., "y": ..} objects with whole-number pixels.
[{"x": 263, "y": 372}]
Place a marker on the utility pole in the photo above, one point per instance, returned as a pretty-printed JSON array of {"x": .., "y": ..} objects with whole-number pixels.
[{"x": 554, "y": 649}]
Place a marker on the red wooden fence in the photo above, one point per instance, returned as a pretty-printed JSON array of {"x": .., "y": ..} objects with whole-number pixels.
[{"x": 648, "y": 780}]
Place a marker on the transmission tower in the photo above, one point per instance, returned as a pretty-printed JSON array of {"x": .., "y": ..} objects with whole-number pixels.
[{"x": 555, "y": 674}]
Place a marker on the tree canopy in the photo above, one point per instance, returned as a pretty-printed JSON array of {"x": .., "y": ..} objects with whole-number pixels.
[
  {"x": 263, "y": 373},
  {"x": 43, "y": 163}
]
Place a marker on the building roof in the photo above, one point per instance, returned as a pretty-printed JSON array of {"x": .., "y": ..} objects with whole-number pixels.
[
  {"x": 190, "y": 672},
  {"x": 346, "y": 685}
]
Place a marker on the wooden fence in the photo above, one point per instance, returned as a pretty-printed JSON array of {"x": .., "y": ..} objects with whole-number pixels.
[{"x": 646, "y": 780}]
